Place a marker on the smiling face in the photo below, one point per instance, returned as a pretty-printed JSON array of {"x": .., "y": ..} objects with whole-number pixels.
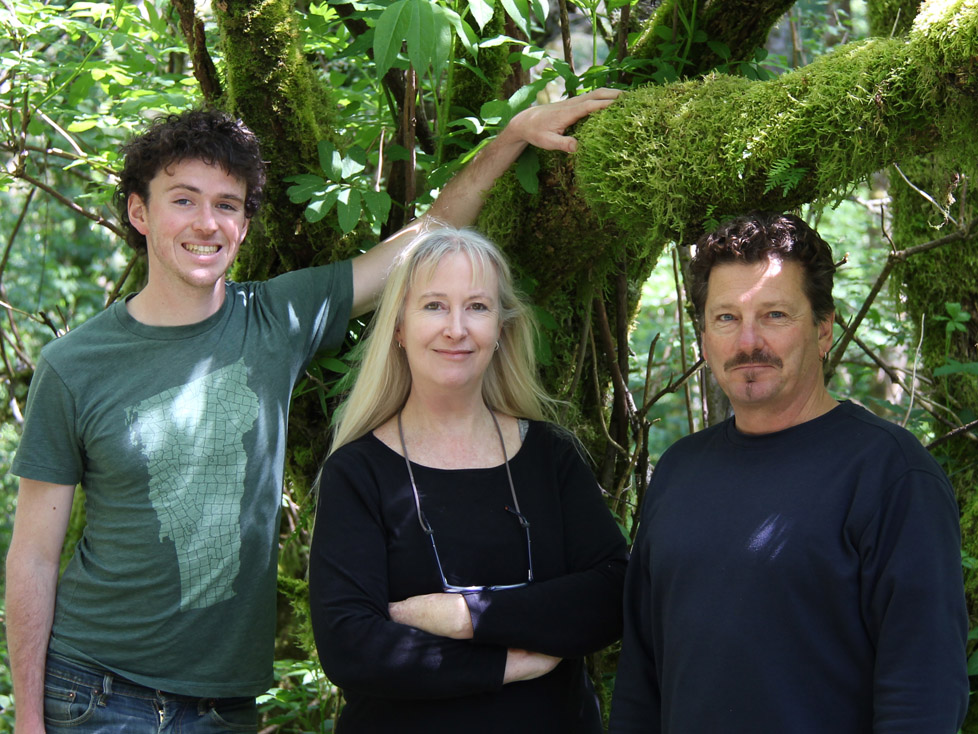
[
  {"x": 762, "y": 344},
  {"x": 450, "y": 326},
  {"x": 194, "y": 223}
]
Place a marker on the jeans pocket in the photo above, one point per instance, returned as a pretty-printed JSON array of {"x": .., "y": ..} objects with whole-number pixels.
[
  {"x": 235, "y": 714},
  {"x": 68, "y": 704}
]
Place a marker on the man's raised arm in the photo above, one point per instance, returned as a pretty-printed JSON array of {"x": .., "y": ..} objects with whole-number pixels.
[{"x": 461, "y": 200}]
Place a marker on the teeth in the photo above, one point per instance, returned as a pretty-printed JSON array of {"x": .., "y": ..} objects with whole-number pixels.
[{"x": 202, "y": 249}]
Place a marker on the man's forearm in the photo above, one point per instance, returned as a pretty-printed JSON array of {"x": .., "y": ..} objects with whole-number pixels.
[
  {"x": 461, "y": 200},
  {"x": 458, "y": 205},
  {"x": 30, "y": 612}
]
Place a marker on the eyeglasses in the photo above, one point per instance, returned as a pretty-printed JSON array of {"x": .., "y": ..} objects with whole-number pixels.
[{"x": 514, "y": 510}]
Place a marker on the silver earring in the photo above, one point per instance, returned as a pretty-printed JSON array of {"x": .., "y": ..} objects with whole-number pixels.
[{"x": 497, "y": 347}]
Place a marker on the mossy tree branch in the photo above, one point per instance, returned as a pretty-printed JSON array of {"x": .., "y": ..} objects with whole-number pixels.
[{"x": 705, "y": 148}]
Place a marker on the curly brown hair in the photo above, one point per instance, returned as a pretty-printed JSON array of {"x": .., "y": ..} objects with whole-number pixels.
[
  {"x": 209, "y": 135},
  {"x": 760, "y": 235}
]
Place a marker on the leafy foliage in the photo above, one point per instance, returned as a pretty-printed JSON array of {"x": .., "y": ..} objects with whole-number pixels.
[{"x": 679, "y": 153}]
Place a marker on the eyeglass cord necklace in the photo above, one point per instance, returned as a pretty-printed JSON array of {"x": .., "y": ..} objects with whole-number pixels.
[{"x": 414, "y": 487}]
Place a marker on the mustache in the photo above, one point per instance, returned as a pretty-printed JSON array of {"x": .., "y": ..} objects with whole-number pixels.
[{"x": 758, "y": 356}]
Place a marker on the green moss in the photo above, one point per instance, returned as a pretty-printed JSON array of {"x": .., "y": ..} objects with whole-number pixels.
[
  {"x": 273, "y": 88},
  {"x": 928, "y": 281},
  {"x": 709, "y": 145}
]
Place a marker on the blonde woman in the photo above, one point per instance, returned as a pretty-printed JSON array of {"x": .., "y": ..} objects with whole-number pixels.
[{"x": 463, "y": 561}]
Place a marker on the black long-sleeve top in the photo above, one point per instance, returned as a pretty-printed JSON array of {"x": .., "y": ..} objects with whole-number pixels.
[
  {"x": 805, "y": 581},
  {"x": 369, "y": 549}
]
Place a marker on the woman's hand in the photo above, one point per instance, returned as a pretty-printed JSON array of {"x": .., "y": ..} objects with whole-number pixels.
[
  {"x": 526, "y": 665},
  {"x": 446, "y": 615}
]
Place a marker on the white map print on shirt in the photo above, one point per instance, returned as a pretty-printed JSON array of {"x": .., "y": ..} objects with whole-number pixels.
[{"x": 193, "y": 440}]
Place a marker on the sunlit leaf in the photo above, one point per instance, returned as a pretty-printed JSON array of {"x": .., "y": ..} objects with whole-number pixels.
[
  {"x": 519, "y": 11},
  {"x": 482, "y": 11},
  {"x": 389, "y": 34},
  {"x": 348, "y": 210}
]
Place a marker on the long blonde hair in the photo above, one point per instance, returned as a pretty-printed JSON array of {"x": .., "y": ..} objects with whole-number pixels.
[{"x": 510, "y": 384}]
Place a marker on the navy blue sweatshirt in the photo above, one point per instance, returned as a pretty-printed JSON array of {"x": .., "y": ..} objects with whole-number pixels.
[{"x": 804, "y": 581}]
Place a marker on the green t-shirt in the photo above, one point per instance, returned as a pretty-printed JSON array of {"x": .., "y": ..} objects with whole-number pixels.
[{"x": 177, "y": 435}]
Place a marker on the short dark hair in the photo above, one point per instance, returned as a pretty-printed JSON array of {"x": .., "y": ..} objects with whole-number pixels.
[
  {"x": 761, "y": 235},
  {"x": 209, "y": 135}
]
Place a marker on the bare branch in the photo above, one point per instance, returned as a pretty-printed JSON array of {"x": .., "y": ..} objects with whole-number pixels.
[
  {"x": 565, "y": 35},
  {"x": 963, "y": 233},
  {"x": 967, "y": 430},
  {"x": 673, "y": 385},
  {"x": 893, "y": 373},
  {"x": 97, "y": 218},
  {"x": 597, "y": 390}
]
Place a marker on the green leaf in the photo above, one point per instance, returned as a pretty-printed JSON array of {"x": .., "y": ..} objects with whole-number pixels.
[
  {"x": 519, "y": 11},
  {"x": 306, "y": 187},
  {"x": 321, "y": 205},
  {"x": 953, "y": 367},
  {"x": 482, "y": 11},
  {"x": 354, "y": 162},
  {"x": 378, "y": 203},
  {"x": 956, "y": 312},
  {"x": 330, "y": 160},
  {"x": 545, "y": 318},
  {"x": 420, "y": 33},
  {"x": 334, "y": 365},
  {"x": 527, "y": 168},
  {"x": 541, "y": 10},
  {"x": 396, "y": 152},
  {"x": 348, "y": 210},
  {"x": 82, "y": 125},
  {"x": 720, "y": 49},
  {"x": 389, "y": 34},
  {"x": 664, "y": 32}
]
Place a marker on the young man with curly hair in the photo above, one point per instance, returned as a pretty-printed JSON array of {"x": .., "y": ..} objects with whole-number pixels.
[{"x": 170, "y": 410}]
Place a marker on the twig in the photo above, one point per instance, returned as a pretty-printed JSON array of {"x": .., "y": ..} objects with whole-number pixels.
[
  {"x": 623, "y": 396},
  {"x": 913, "y": 376},
  {"x": 960, "y": 430},
  {"x": 565, "y": 35},
  {"x": 114, "y": 294},
  {"x": 581, "y": 351},
  {"x": 891, "y": 372},
  {"x": 97, "y": 218},
  {"x": 680, "y": 311},
  {"x": 892, "y": 259},
  {"x": 674, "y": 385},
  {"x": 597, "y": 390},
  {"x": 944, "y": 213}
]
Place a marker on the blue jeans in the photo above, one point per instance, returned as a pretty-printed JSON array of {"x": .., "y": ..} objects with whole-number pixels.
[{"x": 86, "y": 700}]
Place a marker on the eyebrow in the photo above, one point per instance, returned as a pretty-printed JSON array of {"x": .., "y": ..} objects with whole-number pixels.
[
  {"x": 483, "y": 295},
  {"x": 781, "y": 304}
]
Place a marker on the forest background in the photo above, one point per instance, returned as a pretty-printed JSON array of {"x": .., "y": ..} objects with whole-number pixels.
[{"x": 859, "y": 116}]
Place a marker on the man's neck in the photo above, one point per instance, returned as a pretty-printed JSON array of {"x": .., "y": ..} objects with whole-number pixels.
[
  {"x": 154, "y": 307},
  {"x": 770, "y": 419}
]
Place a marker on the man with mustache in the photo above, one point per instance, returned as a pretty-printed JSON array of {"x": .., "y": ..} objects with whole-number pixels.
[{"x": 797, "y": 568}]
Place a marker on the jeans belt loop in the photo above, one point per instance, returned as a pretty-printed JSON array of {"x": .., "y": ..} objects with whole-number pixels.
[{"x": 106, "y": 689}]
